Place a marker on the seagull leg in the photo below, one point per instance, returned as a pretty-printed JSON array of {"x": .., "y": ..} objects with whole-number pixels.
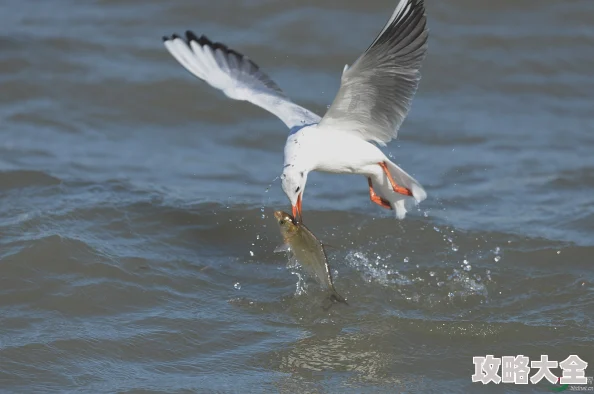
[
  {"x": 397, "y": 188},
  {"x": 382, "y": 202}
]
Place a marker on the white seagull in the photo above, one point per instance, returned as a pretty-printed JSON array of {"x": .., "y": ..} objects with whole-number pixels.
[{"x": 374, "y": 98}]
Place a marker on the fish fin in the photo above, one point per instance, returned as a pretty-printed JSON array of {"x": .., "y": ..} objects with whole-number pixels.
[
  {"x": 330, "y": 246},
  {"x": 282, "y": 248}
]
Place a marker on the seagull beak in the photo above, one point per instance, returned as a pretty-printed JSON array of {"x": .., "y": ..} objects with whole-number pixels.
[{"x": 297, "y": 210}]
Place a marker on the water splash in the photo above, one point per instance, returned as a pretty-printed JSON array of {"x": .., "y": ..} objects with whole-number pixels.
[
  {"x": 443, "y": 283},
  {"x": 301, "y": 285},
  {"x": 373, "y": 272},
  {"x": 266, "y": 200}
]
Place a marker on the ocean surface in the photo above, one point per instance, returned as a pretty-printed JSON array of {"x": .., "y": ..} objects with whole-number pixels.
[{"x": 136, "y": 226}]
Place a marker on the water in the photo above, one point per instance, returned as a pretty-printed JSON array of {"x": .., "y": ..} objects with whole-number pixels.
[{"x": 137, "y": 236}]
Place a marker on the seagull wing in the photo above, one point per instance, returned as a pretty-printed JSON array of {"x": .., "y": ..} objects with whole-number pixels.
[
  {"x": 377, "y": 90},
  {"x": 237, "y": 76}
]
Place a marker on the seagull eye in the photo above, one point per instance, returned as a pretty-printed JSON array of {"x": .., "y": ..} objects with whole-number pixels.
[
  {"x": 298, "y": 188},
  {"x": 282, "y": 221}
]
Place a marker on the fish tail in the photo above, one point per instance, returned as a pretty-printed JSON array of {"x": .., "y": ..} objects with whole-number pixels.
[
  {"x": 335, "y": 297},
  {"x": 332, "y": 299}
]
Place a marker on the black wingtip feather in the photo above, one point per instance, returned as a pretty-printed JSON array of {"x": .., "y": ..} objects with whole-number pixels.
[
  {"x": 190, "y": 36},
  {"x": 205, "y": 41},
  {"x": 402, "y": 33}
]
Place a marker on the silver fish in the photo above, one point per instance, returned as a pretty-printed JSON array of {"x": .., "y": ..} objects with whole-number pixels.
[{"x": 308, "y": 251}]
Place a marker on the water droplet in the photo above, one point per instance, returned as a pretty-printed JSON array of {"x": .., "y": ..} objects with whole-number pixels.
[
  {"x": 406, "y": 259},
  {"x": 465, "y": 262},
  {"x": 426, "y": 214},
  {"x": 488, "y": 272},
  {"x": 558, "y": 252},
  {"x": 237, "y": 286},
  {"x": 251, "y": 253},
  {"x": 467, "y": 267},
  {"x": 497, "y": 258},
  {"x": 454, "y": 247},
  {"x": 258, "y": 236},
  {"x": 497, "y": 250},
  {"x": 431, "y": 273},
  {"x": 436, "y": 229}
]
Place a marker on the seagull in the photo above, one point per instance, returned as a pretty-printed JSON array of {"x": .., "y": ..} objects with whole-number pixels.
[{"x": 373, "y": 100}]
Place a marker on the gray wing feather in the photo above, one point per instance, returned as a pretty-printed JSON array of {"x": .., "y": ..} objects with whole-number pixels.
[
  {"x": 377, "y": 90},
  {"x": 236, "y": 76}
]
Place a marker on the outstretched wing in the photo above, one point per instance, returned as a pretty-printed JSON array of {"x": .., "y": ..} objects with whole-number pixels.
[
  {"x": 236, "y": 75},
  {"x": 376, "y": 91}
]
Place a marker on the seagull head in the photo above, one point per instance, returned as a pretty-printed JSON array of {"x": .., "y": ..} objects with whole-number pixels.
[{"x": 293, "y": 183}]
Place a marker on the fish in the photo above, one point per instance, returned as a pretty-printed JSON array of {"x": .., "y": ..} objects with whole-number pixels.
[{"x": 308, "y": 251}]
